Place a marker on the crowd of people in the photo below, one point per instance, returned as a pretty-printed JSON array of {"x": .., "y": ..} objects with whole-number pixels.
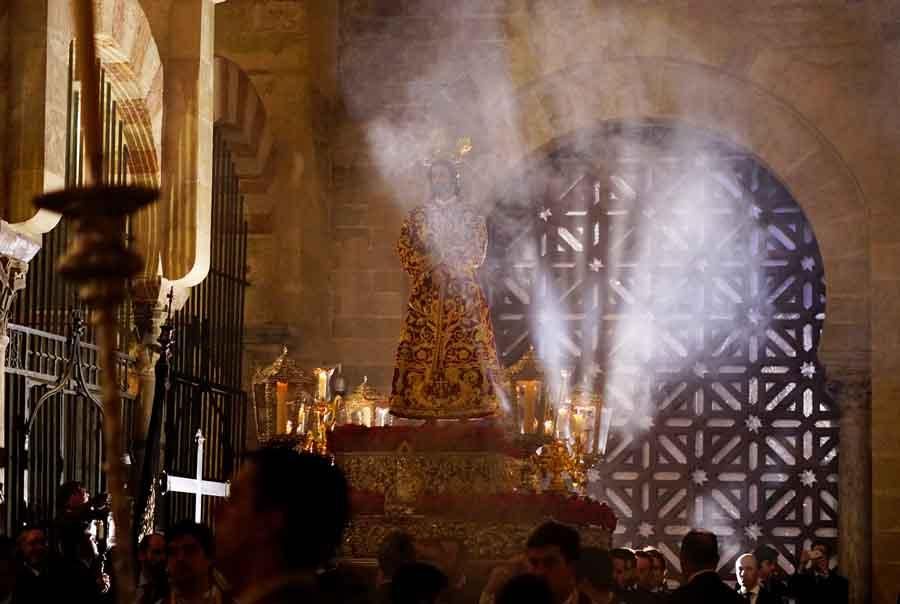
[{"x": 276, "y": 544}]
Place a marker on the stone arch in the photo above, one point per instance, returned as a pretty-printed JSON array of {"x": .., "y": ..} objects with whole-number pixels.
[
  {"x": 818, "y": 178},
  {"x": 131, "y": 58},
  {"x": 129, "y": 54},
  {"x": 241, "y": 116}
]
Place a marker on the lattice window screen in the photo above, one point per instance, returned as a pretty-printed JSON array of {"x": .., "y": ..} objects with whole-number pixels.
[{"x": 682, "y": 270}]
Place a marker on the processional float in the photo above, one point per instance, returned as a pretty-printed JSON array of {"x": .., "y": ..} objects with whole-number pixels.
[{"x": 463, "y": 451}]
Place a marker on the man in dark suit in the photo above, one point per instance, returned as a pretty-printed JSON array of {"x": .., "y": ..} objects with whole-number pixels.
[
  {"x": 644, "y": 584},
  {"x": 771, "y": 577},
  {"x": 699, "y": 558},
  {"x": 815, "y": 582},
  {"x": 396, "y": 550},
  {"x": 552, "y": 552},
  {"x": 595, "y": 576},
  {"x": 749, "y": 587},
  {"x": 274, "y": 536}
]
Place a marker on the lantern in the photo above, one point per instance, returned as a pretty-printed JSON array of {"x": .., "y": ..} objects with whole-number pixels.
[
  {"x": 526, "y": 384},
  {"x": 365, "y": 406},
  {"x": 586, "y": 411},
  {"x": 281, "y": 394}
]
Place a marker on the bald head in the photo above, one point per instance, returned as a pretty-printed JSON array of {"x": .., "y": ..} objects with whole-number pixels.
[{"x": 747, "y": 571}]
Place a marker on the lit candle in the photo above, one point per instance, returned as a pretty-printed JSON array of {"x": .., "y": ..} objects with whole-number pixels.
[
  {"x": 281, "y": 396},
  {"x": 578, "y": 424},
  {"x": 323, "y": 384},
  {"x": 301, "y": 420},
  {"x": 563, "y": 387},
  {"x": 382, "y": 417},
  {"x": 530, "y": 392},
  {"x": 548, "y": 426},
  {"x": 605, "y": 424},
  {"x": 561, "y": 423}
]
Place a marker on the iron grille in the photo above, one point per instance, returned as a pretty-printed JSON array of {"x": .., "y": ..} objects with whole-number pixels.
[
  {"x": 64, "y": 442},
  {"x": 678, "y": 270},
  {"x": 206, "y": 386}
]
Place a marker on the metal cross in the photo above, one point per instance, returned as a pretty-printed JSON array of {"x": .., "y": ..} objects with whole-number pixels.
[{"x": 197, "y": 486}]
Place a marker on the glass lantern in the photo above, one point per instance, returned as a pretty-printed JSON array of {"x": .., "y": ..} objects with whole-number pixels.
[
  {"x": 365, "y": 406},
  {"x": 526, "y": 384},
  {"x": 282, "y": 392}
]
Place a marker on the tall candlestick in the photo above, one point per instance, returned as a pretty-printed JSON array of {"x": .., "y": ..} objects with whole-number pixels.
[{"x": 86, "y": 57}]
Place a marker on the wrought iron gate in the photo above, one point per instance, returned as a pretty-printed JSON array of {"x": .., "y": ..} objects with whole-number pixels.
[
  {"x": 206, "y": 386},
  {"x": 679, "y": 268},
  {"x": 62, "y": 440}
]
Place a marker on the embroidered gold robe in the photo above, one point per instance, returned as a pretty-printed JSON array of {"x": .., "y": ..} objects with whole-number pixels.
[{"x": 447, "y": 364}]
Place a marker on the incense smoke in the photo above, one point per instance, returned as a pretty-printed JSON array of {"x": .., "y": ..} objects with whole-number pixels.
[{"x": 460, "y": 76}]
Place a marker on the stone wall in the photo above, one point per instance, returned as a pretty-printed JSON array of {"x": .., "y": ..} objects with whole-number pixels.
[
  {"x": 4, "y": 94},
  {"x": 284, "y": 47},
  {"x": 883, "y": 190}
]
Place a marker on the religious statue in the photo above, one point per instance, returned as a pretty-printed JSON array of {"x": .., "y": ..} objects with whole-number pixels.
[{"x": 447, "y": 365}]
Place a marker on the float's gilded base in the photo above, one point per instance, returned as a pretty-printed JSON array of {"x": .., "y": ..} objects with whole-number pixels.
[{"x": 460, "y": 482}]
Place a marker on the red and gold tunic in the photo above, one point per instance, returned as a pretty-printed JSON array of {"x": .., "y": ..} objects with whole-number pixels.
[{"x": 447, "y": 364}]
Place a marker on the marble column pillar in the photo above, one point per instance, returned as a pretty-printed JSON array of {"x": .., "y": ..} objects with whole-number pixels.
[{"x": 852, "y": 390}]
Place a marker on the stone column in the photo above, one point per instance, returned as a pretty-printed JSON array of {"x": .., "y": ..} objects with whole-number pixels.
[
  {"x": 852, "y": 391},
  {"x": 186, "y": 202},
  {"x": 152, "y": 301},
  {"x": 149, "y": 315}
]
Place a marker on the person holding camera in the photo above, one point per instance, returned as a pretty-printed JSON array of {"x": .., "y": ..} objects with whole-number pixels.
[
  {"x": 82, "y": 557},
  {"x": 815, "y": 582}
]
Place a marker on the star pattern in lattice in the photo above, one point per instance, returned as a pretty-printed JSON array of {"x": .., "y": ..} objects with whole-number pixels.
[
  {"x": 753, "y": 423},
  {"x": 697, "y": 289},
  {"x": 753, "y": 532}
]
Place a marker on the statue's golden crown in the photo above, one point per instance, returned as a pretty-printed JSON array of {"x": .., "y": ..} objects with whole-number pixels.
[{"x": 443, "y": 149}]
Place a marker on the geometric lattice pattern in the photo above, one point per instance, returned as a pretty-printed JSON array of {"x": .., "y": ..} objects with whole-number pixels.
[{"x": 682, "y": 272}]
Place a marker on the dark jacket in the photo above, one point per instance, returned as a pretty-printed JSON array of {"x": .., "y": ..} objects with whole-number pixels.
[
  {"x": 705, "y": 588},
  {"x": 764, "y": 597},
  {"x": 776, "y": 590},
  {"x": 808, "y": 588},
  {"x": 643, "y": 596}
]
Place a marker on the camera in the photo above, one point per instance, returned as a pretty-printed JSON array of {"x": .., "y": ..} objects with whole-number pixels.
[{"x": 98, "y": 507}]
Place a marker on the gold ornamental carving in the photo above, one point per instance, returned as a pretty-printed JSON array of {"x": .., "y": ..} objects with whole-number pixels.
[
  {"x": 483, "y": 541},
  {"x": 402, "y": 477}
]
